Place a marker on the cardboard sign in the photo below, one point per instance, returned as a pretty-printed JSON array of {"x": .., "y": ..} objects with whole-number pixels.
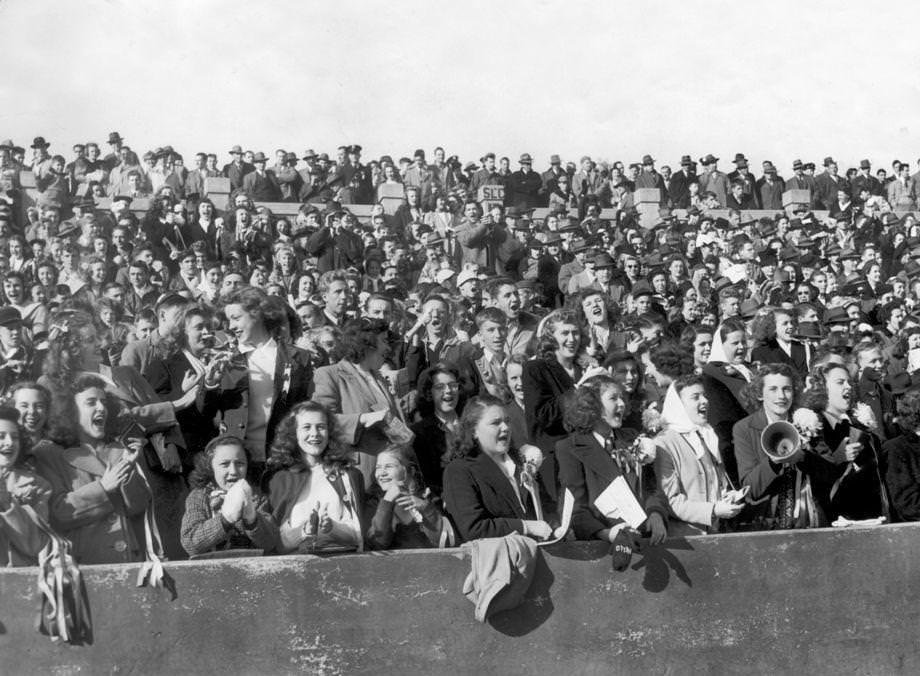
[{"x": 490, "y": 195}]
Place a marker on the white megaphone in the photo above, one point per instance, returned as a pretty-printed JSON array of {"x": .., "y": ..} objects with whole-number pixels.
[{"x": 780, "y": 440}]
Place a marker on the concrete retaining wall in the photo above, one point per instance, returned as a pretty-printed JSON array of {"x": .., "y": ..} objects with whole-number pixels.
[{"x": 818, "y": 602}]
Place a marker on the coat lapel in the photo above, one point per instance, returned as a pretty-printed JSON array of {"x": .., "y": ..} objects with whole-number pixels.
[
  {"x": 500, "y": 484},
  {"x": 594, "y": 456},
  {"x": 82, "y": 458}
]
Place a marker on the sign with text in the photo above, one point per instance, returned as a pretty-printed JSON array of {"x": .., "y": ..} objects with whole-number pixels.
[{"x": 490, "y": 195}]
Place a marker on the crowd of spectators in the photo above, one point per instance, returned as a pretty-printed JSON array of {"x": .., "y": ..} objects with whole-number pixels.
[{"x": 451, "y": 369}]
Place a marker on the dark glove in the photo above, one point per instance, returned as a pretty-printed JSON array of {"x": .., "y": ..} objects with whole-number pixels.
[{"x": 621, "y": 551}]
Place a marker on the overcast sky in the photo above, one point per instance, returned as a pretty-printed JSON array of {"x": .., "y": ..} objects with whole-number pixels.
[{"x": 615, "y": 80}]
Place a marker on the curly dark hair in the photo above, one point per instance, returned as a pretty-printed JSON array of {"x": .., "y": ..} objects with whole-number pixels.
[
  {"x": 687, "y": 380},
  {"x": 270, "y": 310},
  {"x": 815, "y": 397},
  {"x": 286, "y": 453},
  {"x": 65, "y": 429},
  {"x": 425, "y": 401},
  {"x": 582, "y": 408},
  {"x": 466, "y": 445},
  {"x": 359, "y": 338},
  {"x": 672, "y": 360},
  {"x": 689, "y": 334},
  {"x": 202, "y": 473},
  {"x": 176, "y": 339},
  {"x": 909, "y": 411},
  {"x": 752, "y": 393}
]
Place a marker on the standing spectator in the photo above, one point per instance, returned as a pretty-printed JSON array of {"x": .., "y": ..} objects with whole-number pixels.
[
  {"x": 712, "y": 180},
  {"x": 770, "y": 188},
  {"x": 363, "y": 407},
  {"x": 679, "y": 188},
  {"x": 523, "y": 187}
]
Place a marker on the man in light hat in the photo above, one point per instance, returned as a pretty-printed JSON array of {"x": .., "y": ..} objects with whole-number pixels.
[
  {"x": 236, "y": 169},
  {"x": 550, "y": 176},
  {"x": 586, "y": 181},
  {"x": 523, "y": 187},
  {"x": 312, "y": 177},
  {"x": 289, "y": 180}
]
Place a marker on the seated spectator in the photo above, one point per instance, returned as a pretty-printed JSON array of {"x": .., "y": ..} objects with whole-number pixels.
[
  {"x": 223, "y": 510},
  {"x": 316, "y": 492},
  {"x": 189, "y": 354},
  {"x": 24, "y": 496},
  {"x": 598, "y": 451},
  {"x": 483, "y": 492},
  {"x": 99, "y": 495},
  {"x": 436, "y": 430},
  {"x": 850, "y": 481},
  {"x": 688, "y": 463},
  {"x": 33, "y": 402},
  {"x": 366, "y": 411},
  {"x": 780, "y": 491},
  {"x": 402, "y": 513},
  {"x": 903, "y": 453}
]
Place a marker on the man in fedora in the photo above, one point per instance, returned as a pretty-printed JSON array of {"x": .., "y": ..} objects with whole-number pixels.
[
  {"x": 523, "y": 187},
  {"x": 770, "y": 188},
  {"x": 828, "y": 183},
  {"x": 312, "y": 176},
  {"x": 356, "y": 178},
  {"x": 549, "y": 178},
  {"x": 651, "y": 179},
  {"x": 236, "y": 169},
  {"x": 289, "y": 180},
  {"x": 802, "y": 181},
  {"x": 712, "y": 180},
  {"x": 261, "y": 185},
  {"x": 743, "y": 174},
  {"x": 865, "y": 179},
  {"x": 41, "y": 159},
  {"x": 113, "y": 159},
  {"x": 679, "y": 189}
]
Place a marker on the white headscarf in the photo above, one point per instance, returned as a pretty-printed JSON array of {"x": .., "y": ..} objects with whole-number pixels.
[
  {"x": 717, "y": 354},
  {"x": 676, "y": 418}
]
